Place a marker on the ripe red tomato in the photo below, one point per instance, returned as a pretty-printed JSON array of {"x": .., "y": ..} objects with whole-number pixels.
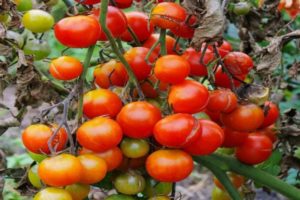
[
  {"x": 271, "y": 113},
  {"x": 136, "y": 59},
  {"x": 212, "y": 138},
  {"x": 238, "y": 63},
  {"x": 65, "y": 68},
  {"x": 236, "y": 180},
  {"x": 61, "y": 170},
  {"x": 177, "y": 130},
  {"x": 167, "y": 15},
  {"x": 184, "y": 29},
  {"x": 233, "y": 138},
  {"x": 123, "y": 3},
  {"x": 101, "y": 102},
  {"x": 88, "y": 2},
  {"x": 244, "y": 118},
  {"x": 193, "y": 57},
  {"x": 188, "y": 97},
  {"x": 139, "y": 23},
  {"x": 271, "y": 132},
  {"x": 222, "y": 80},
  {"x": 99, "y": 134},
  {"x": 224, "y": 49},
  {"x": 214, "y": 116},
  {"x": 169, "y": 165},
  {"x": 35, "y": 138},
  {"x": 137, "y": 119},
  {"x": 171, "y": 69},
  {"x": 222, "y": 100},
  {"x": 170, "y": 44},
  {"x": 256, "y": 149},
  {"x": 72, "y": 36}
]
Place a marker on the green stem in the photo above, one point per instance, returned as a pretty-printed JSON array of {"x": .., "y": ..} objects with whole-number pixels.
[
  {"x": 162, "y": 41},
  {"x": 133, "y": 35}
]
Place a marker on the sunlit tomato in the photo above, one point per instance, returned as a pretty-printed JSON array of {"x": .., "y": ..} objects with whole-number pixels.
[
  {"x": 214, "y": 116},
  {"x": 123, "y": 3},
  {"x": 78, "y": 191},
  {"x": 171, "y": 69},
  {"x": 38, "y": 48},
  {"x": 212, "y": 138},
  {"x": 134, "y": 148},
  {"x": 132, "y": 163},
  {"x": 37, "y": 21},
  {"x": 101, "y": 102},
  {"x": 244, "y": 118},
  {"x": 177, "y": 130},
  {"x": 238, "y": 63},
  {"x": 194, "y": 57},
  {"x": 188, "y": 97},
  {"x": 119, "y": 197},
  {"x": 222, "y": 100},
  {"x": 129, "y": 183},
  {"x": 170, "y": 44},
  {"x": 34, "y": 177},
  {"x": 136, "y": 58},
  {"x": 60, "y": 170},
  {"x": 84, "y": 34},
  {"x": 140, "y": 25},
  {"x": 169, "y": 165},
  {"x": 35, "y": 138},
  {"x": 222, "y": 79},
  {"x": 154, "y": 188},
  {"x": 88, "y": 2},
  {"x": 271, "y": 113},
  {"x": 184, "y": 29},
  {"x": 53, "y": 193},
  {"x": 147, "y": 87},
  {"x": 65, "y": 68},
  {"x": 271, "y": 132},
  {"x": 236, "y": 180},
  {"x": 224, "y": 49},
  {"x": 218, "y": 194},
  {"x": 116, "y": 22},
  {"x": 167, "y": 15},
  {"x": 256, "y": 149},
  {"x": 137, "y": 119},
  {"x": 233, "y": 138}
]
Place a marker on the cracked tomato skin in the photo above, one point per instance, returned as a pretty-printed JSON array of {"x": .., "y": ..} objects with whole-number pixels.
[
  {"x": 271, "y": 114},
  {"x": 238, "y": 63},
  {"x": 222, "y": 100},
  {"x": 222, "y": 80},
  {"x": 170, "y": 43}
]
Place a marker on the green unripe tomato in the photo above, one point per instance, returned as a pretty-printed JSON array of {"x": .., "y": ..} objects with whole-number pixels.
[
  {"x": 153, "y": 188},
  {"x": 119, "y": 197},
  {"x": 53, "y": 194},
  {"x": 24, "y": 5},
  {"x": 37, "y": 21},
  {"x": 39, "y": 49},
  {"x": 129, "y": 183},
  {"x": 18, "y": 38},
  {"x": 241, "y": 8},
  {"x": 134, "y": 148},
  {"x": 34, "y": 177},
  {"x": 37, "y": 157},
  {"x": 218, "y": 194},
  {"x": 78, "y": 191}
]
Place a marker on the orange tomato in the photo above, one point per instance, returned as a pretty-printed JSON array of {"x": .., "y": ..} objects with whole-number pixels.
[{"x": 65, "y": 68}]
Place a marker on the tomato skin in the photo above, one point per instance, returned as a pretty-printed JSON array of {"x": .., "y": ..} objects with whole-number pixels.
[
  {"x": 123, "y": 3},
  {"x": 235, "y": 179},
  {"x": 271, "y": 114},
  {"x": 234, "y": 138},
  {"x": 170, "y": 43},
  {"x": 35, "y": 138},
  {"x": 171, "y": 69},
  {"x": 222, "y": 80},
  {"x": 147, "y": 87},
  {"x": 256, "y": 149},
  {"x": 137, "y": 119},
  {"x": 88, "y": 2},
  {"x": 78, "y": 191},
  {"x": 212, "y": 138},
  {"x": 153, "y": 188},
  {"x": 244, "y": 118},
  {"x": 101, "y": 102},
  {"x": 65, "y": 68},
  {"x": 72, "y": 36},
  {"x": 139, "y": 23},
  {"x": 188, "y": 97},
  {"x": 167, "y": 15},
  {"x": 37, "y": 21},
  {"x": 99, "y": 134},
  {"x": 134, "y": 148},
  {"x": 129, "y": 183},
  {"x": 34, "y": 178},
  {"x": 223, "y": 49},
  {"x": 222, "y": 100},
  {"x": 238, "y": 63},
  {"x": 52, "y": 193},
  {"x": 184, "y": 29},
  {"x": 177, "y": 130},
  {"x": 270, "y": 132},
  {"x": 169, "y": 165},
  {"x": 214, "y": 116},
  {"x": 193, "y": 57},
  {"x": 61, "y": 170},
  {"x": 136, "y": 59}
]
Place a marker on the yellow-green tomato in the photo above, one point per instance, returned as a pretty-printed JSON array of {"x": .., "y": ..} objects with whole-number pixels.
[
  {"x": 37, "y": 157},
  {"x": 38, "y": 48},
  {"x": 160, "y": 198},
  {"x": 119, "y": 197},
  {"x": 34, "y": 177},
  {"x": 37, "y": 21},
  {"x": 51, "y": 193},
  {"x": 78, "y": 191},
  {"x": 153, "y": 188},
  {"x": 134, "y": 148},
  {"x": 129, "y": 183},
  {"x": 23, "y": 5},
  {"x": 218, "y": 194}
]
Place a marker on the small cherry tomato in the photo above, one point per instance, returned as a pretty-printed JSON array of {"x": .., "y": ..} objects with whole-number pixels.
[
  {"x": 234, "y": 138},
  {"x": 78, "y": 191},
  {"x": 37, "y": 21},
  {"x": 222, "y": 79},
  {"x": 52, "y": 193},
  {"x": 271, "y": 132},
  {"x": 271, "y": 113},
  {"x": 222, "y": 100},
  {"x": 238, "y": 63},
  {"x": 184, "y": 29},
  {"x": 34, "y": 178},
  {"x": 129, "y": 183},
  {"x": 134, "y": 148},
  {"x": 154, "y": 188},
  {"x": 170, "y": 44},
  {"x": 38, "y": 48},
  {"x": 23, "y": 5},
  {"x": 236, "y": 180}
]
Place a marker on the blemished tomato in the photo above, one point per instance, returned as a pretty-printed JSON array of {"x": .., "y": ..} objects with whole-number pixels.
[
  {"x": 224, "y": 49},
  {"x": 119, "y": 197},
  {"x": 256, "y": 149},
  {"x": 236, "y": 180},
  {"x": 177, "y": 130},
  {"x": 184, "y": 29},
  {"x": 238, "y": 63},
  {"x": 194, "y": 57},
  {"x": 234, "y": 138},
  {"x": 38, "y": 48},
  {"x": 101, "y": 102},
  {"x": 169, "y": 165},
  {"x": 222, "y": 80},
  {"x": 246, "y": 118},
  {"x": 65, "y": 68},
  {"x": 140, "y": 25},
  {"x": 134, "y": 148},
  {"x": 129, "y": 183},
  {"x": 170, "y": 44},
  {"x": 136, "y": 59},
  {"x": 222, "y": 100},
  {"x": 154, "y": 188},
  {"x": 88, "y": 2},
  {"x": 218, "y": 194},
  {"x": 137, "y": 119},
  {"x": 212, "y": 138},
  {"x": 34, "y": 177},
  {"x": 53, "y": 193},
  {"x": 35, "y": 138},
  {"x": 84, "y": 34},
  {"x": 109, "y": 74},
  {"x": 113, "y": 157},
  {"x": 167, "y": 15},
  {"x": 60, "y": 170},
  {"x": 37, "y": 21},
  {"x": 78, "y": 191},
  {"x": 94, "y": 168},
  {"x": 171, "y": 69},
  {"x": 271, "y": 113},
  {"x": 188, "y": 97},
  {"x": 99, "y": 134}
]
